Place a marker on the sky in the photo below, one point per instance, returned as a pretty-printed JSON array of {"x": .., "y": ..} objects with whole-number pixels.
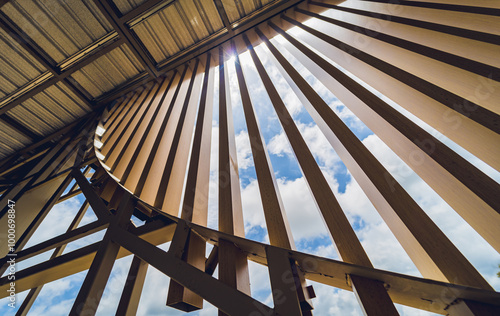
[{"x": 308, "y": 229}]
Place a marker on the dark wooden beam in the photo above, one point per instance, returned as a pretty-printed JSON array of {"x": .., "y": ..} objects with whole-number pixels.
[
  {"x": 144, "y": 10},
  {"x": 27, "y": 43},
  {"x": 13, "y": 123},
  {"x": 44, "y": 84},
  {"x": 223, "y": 14},
  {"x": 109, "y": 11}
]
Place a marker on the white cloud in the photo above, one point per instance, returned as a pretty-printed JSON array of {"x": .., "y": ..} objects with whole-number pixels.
[
  {"x": 243, "y": 150},
  {"x": 279, "y": 145}
]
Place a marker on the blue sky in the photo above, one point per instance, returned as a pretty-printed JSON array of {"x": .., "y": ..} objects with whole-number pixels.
[{"x": 308, "y": 229}]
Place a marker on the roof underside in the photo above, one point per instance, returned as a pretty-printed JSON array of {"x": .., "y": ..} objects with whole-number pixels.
[{"x": 59, "y": 60}]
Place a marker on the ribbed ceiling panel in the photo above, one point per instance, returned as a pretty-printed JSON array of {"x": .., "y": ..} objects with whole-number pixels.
[
  {"x": 108, "y": 71},
  {"x": 62, "y": 101},
  {"x": 12, "y": 140},
  {"x": 17, "y": 66},
  {"x": 236, "y": 9},
  {"x": 60, "y": 28},
  {"x": 125, "y": 6},
  {"x": 177, "y": 27},
  {"x": 36, "y": 118}
]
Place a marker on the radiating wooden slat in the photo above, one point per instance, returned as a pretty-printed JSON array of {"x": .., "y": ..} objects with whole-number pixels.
[
  {"x": 349, "y": 247},
  {"x": 455, "y": 41},
  {"x": 195, "y": 203},
  {"x": 176, "y": 164},
  {"x": 469, "y": 195},
  {"x": 454, "y": 120},
  {"x": 233, "y": 266},
  {"x": 142, "y": 156},
  {"x": 457, "y": 76},
  {"x": 277, "y": 224},
  {"x": 124, "y": 130},
  {"x": 127, "y": 107},
  {"x": 152, "y": 185},
  {"x": 347, "y": 244},
  {"x": 144, "y": 173},
  {"x": 122, "y": 170},
  {"x": 117, "y": 110},
  {"x": 391, "y": 200},
  {"x": 110, "y": 138},
  {"x": 131, "y": 138}
]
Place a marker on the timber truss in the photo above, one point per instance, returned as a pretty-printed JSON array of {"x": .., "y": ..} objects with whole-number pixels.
[
  {"x": 145, "y": 155},
  {"x": 114, "y": 206}
]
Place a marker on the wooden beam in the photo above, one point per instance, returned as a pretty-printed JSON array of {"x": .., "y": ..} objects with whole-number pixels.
[
  {"x": 97, "y": 204},
  {"x": 131, "y": 295},
  {"x": 222, "y": 296},
  {"x": 33, "y": 293},
  {"x": 195, "y": 203},
  {"x": 472, "y": 189},
  {"x": 233, "y": 266},
  {"x": 95, "y": 281},
  {"x": 137, "y": 48},
  {"x": 123, "y": 171},
  {"x": 284, "y": 292}
]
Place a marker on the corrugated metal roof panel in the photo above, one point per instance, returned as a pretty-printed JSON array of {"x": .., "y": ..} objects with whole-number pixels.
[
  {"x": 10, "y": 139},
  {"x": 60, "y": 28},
  {"x": 125, "y": 6},
  {"x": 108, "y": 71},
  {"x": 35, "y": 117},
  {"x": 62, "y": 103},
  {"x": 236, "y": 9},
  {"x": 17, "y": 65},
  {"x": 177, "y": 27}
]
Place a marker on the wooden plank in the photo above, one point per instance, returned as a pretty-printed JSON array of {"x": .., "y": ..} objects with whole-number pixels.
[
  {"x": 91, "y": 291},
  {"x": 419, "y": 234},
  {"x": 284, "y": 293},
  {"x": 216, "y": 292},
  {"x": 233, "y": 266},
  {"x": 33, "y": 293},
  {"x": 457, "y": 181},
  {"x": 452, "y": 117},
  {"x": 348, "y": 245},
  {"x": 131, "y": 295},
  {"x": 195, "y": 203}
]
